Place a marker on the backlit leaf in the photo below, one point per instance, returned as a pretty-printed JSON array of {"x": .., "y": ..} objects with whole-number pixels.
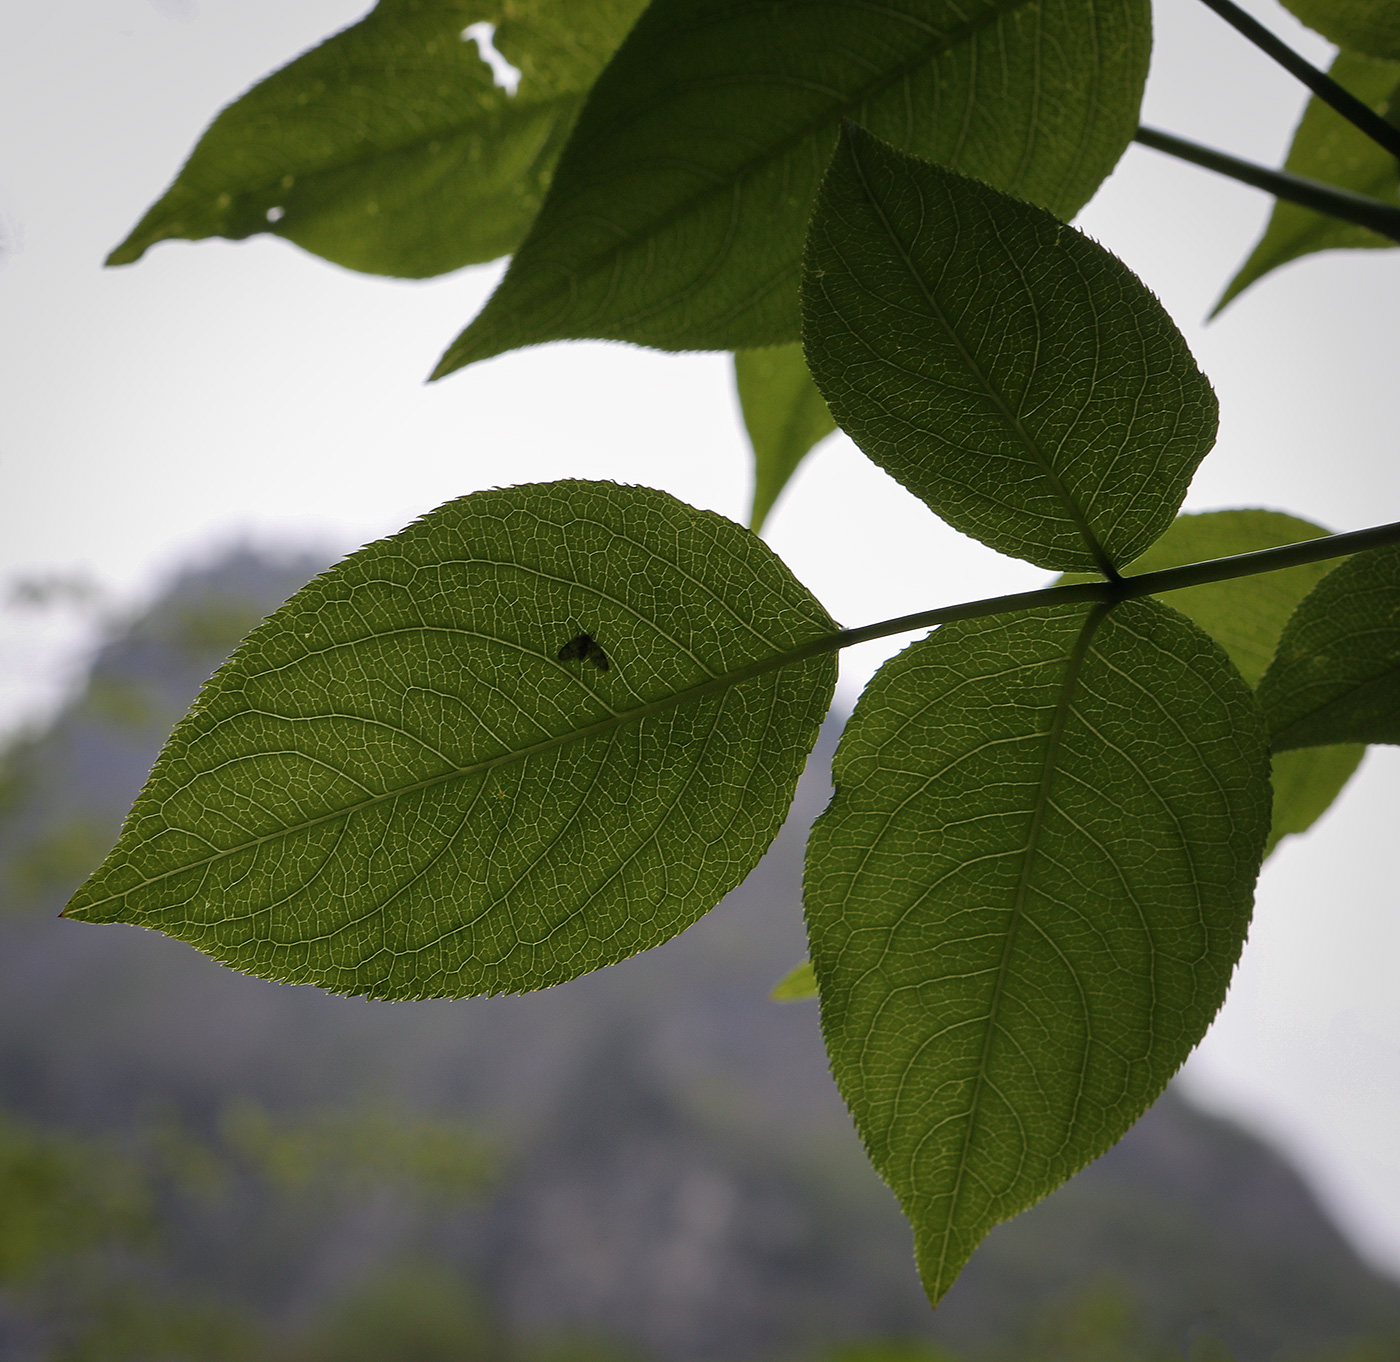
[
  {"x": 396, "y": 787},
  {"x": 1336, "y": 677},
  {"x": 1246, "y": 617},
  {"x": 1326, "y": 147},
  {"x": 677, "y": 214},
  {"x": 1371, "y": 27},
  {"x": 797, "y": 984},
  {"x": 1026, "y": 899},
  {"x": 1006, "y": 369},
  {"x": 390, "y": 148},
  {"x": 785, "y": 417}
]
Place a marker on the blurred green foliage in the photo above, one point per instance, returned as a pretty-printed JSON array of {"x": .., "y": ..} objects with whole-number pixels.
[{"x": 62, "y": 1196}]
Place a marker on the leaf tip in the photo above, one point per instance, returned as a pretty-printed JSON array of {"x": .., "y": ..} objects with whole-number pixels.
[
  {"x": 796, "y": 985},
  {"x": 127, "y": 253},
  {"x": 462, "y": 352},
  {"x": 1232, "y": 291}
]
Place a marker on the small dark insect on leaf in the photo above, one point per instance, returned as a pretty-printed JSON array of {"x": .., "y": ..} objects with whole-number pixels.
[{"x": 584, "y": 649}]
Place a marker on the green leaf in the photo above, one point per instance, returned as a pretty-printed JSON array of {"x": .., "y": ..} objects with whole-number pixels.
[
  {"x": 1003, "y": 367},
  {"x": 1305, "y": 784},
  {"x": 534, "y": 733},
  {"x": 1336, "y": 677},
  {"x": 1370, "y": 27},
  {"x": 678, "y": 210},
  {"x": 1326, "y": 147},
  {"x": 389, "y": 148},
  {"x": 785, "y": 417},
  {"x": 1026, "y": 898},
  {"x": 1247, "y": 617},
  {"x": 796, "y": 985}
]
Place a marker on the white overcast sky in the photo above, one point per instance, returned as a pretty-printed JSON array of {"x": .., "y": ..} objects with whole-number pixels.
[{"x": 219, "y": 393}]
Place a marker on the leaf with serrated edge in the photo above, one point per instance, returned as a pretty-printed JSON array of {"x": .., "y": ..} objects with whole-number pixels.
[
  {"x": 397, "y": 788},
  {"x": 785, "y": 418},
  {"x": 389, "y": 148},
  {"x": 1328, "y": 148},
  {"x": 1007, "y": 370},
  {"x": 1246, "y": 617},
  {"x": 675, "y": 218},
  {"x": 1371, "y": 27},
  {"x": 1026, "y": 898},
  {"x": 1336, "y": 676}
]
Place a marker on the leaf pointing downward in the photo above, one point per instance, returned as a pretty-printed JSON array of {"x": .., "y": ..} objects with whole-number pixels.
[
  {"x": 396, "y": 788},
  {"x": 1026, "y": 898},
  {"x": 785, "y": 417},
  {"x": 1006, "y": 369}
]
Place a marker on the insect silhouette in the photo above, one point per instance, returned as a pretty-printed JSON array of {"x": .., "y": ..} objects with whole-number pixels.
[{"x": 584, "y": 648}]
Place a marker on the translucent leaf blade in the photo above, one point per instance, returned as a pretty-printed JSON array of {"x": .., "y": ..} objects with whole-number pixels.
[
  {"x": 677, "y": 213},
  {"x": 1328, "y": 148},
  {"x": 1007, "y": 370},
  {"x": 798, "y": 984},
  {"x": 1026, "y": 899},
  {"x": 414, "y": 781},
  {"x": 1336, "y": 677},
  {"x": 784, "y": 415},
  {"x": 1369, "y": 27},
  {"x": 1247, "y": 618},
  {"x": 389, "y": 148}
]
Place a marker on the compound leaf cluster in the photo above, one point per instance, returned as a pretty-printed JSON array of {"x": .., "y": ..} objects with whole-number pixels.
[{"x": 547, "y": 727}]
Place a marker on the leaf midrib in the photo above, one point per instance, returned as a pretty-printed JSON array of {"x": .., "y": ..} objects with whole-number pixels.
[
  {"x": 1027, "y": 441},
  {"x": 838, "y": 108},
  {"x": 1054, "y": 736},
  {"x": 414, "y": 142},
  {"x": 802, "y": 652},
  {"x": 1380, "y": 682}
]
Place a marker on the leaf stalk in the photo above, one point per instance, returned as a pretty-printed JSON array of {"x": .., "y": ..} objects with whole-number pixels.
[
  {"x": 1123, "y": 588},
  {"x": 1319, "y": 82},
  {"x": 1358, "y": 209}
]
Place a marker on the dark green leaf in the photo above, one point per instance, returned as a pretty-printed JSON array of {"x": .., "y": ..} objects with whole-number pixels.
[
  {"x": 1005, "y": 368},
  {"x": 677, "y": 214},
  {"x": 396, "y": 788},
  {"x": 389, "y": 148},
  {"x": 1371, "y": 27},
  {"x": 1336, "y": 677},
  {"x": 1326, "y": 147},
  {"x": 1027, "y": 896},
  {"x": 1246, "y": 617},
  {"x": 797, "y": 984},
  {"x": 785, "y": 417}
]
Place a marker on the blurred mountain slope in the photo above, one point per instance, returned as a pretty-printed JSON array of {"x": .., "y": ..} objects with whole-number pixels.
[{"x": 675, "y": 1168}]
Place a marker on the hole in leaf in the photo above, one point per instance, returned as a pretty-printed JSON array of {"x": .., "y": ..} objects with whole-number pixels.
[
  {"x": 276, "y": 214},
  {"x": 506, "y": 76}
]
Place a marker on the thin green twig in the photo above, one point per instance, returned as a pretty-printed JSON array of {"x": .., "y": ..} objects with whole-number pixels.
[
  {"x": 1103, "y": 592},
  {"x": 1320, "y": 83},
  {"x": 1125, "y": 588},
  {"x": 1321, "y": 198}
]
